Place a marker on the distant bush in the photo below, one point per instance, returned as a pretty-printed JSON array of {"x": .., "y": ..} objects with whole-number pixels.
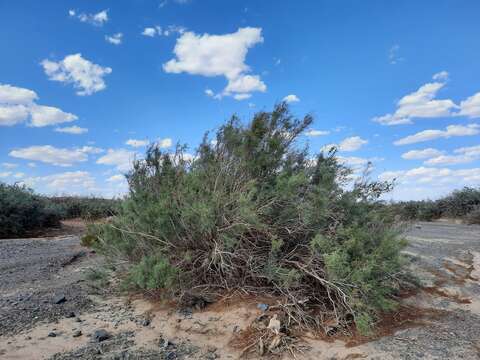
[
  {"x": 21, "y": 211},
  {"x": 252, "y": 212},
  {"x": 89, "y": 208},
  {"x": 461, "y": 204},
  {"x": 425, "y": 210},
  {"x": 473, "y": 217}
]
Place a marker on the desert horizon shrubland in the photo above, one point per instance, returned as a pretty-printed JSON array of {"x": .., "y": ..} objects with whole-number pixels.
[
  {"x": 463, "y": 204},
  {"x": 23, "y": 211}
]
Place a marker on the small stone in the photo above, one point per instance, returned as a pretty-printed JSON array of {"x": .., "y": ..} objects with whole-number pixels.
[
  {"x": 52, "y": 334},
  {"x": 100, "y": 335},
  {"x": 77, "y": 333},
  {"x": 71, "y": 314},
  {"x": 59, "y": 299},
  {"x": 146, "y": 322},
  {"x": 171, "y": 355}
]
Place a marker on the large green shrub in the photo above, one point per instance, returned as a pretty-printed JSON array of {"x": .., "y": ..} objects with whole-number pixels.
[
  {"x": 251, "y": 211},
  {"x": 21, "y": 211}
]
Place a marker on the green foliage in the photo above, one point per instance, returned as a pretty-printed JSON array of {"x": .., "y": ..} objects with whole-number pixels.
[
  {"x": 253, "y": 211},
  {"x": 89, "y": 240},
  {"x": 22, "y": 211},
  {"x": 153, "y": 272},
  {"x": 364, "y": 323},
  {"x": 458, "y": 204},
  {"x": 89, "y": 208}
]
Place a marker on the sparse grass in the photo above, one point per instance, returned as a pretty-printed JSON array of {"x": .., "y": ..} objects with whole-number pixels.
[{"x": 99, "y": 277}]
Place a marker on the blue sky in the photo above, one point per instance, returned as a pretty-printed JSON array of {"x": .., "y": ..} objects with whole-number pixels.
[{"x": 394, "y": 83}]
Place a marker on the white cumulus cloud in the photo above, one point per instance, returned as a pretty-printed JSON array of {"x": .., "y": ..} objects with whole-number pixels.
[
  {"x": 450, "y": 131},
  {"x": 49, "y": 115},
  {"x": 136, "y": 143},
  {"x": 429, "y": 182},
  {"x": 7, "y": 165},
  {"x": 352, "y": 143},
  {"x": 219, "y": 55},
  {"x": 420, "y": 104},
  {"x": 422, "y": 154},
  {"x": 97, "y": 19},
  {"x": 17, "y": 105},
  {"x": 291, "y": 98},
  {"x": 157, "y": 30},
  {"x": 74, "y": 130},
  {"x": 56, "y": 156},
  {"x": 115, "y": 39},
  {"x": 462, "y": 155},
  {"x": 122, "y": 159},
  {"x": 313, "y": 132},
  {"x": 470, "y": 107},
  {"x": 15, "y": 95},
  {"x": 85, "y": 76},
  {"x": 164, "y": 143},
  {"x": 116, "y": 178}
]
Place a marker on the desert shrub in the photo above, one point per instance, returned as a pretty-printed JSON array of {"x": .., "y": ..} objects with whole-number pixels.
[
  {"x": 473, "y": 217},
  {"x": 458, "y": 204},
  {"x": 88, "y": 240},
  {"x": 425, "y": 210},
  {"x": 86, "y": 207},
  {"x": 252, "y": 211},
  {"x": 152, "y": 272},
  {"x": 21, "y": 211}
]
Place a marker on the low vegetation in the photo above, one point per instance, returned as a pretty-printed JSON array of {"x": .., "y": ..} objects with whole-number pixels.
[
  {"x": 22, "y": 211},
  {"x": 252, "y": 212},
  {"x": 88, "y": 208},
  {"x": 460, "y": 204}
]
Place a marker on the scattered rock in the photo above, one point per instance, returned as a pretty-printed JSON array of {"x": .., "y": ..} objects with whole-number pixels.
[
  {"x": 77, "y": 333},
  {"x": 52, "y": 334},
  {"x": 146, "y": 322},
  {"x": 100, "y": 335},
  {"x": 60, "y": 299},
  {"x": 71, "y": 314}
]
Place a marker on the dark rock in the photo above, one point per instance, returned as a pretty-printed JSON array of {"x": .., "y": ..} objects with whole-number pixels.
[
  {"x": 100, "y": 335},
  {"x": 77, "y": 333},
  {"x": 52, "y": 334},
  {"x": 146, "y": 322},
  {"x": 71, "y": 314},
  {"x": 60, "y": 299},
  {"x": 171, "y": 355}
]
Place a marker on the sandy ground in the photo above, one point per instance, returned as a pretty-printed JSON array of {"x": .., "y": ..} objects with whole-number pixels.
[{"x": 36, "y": 273}]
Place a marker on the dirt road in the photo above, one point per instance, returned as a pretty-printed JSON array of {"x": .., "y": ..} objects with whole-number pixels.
[{"x": 49, "y": 311}]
